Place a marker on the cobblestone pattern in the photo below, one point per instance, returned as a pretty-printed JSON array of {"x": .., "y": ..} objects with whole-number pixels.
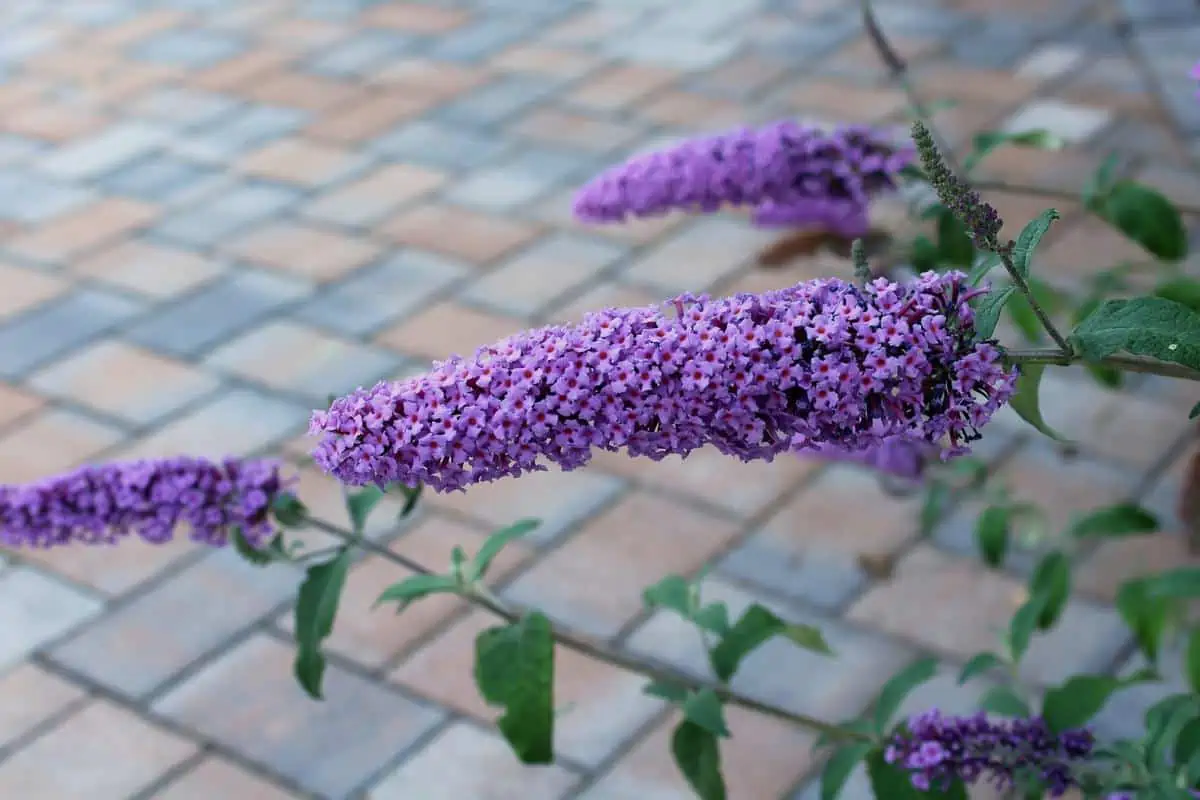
[{"x": 215, "y": 212}]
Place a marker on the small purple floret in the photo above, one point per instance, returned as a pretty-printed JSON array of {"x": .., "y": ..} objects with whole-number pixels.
[
  {"x": 938, "y": 749},
  {"x": 104, "y": 503},
  {"x": 822, "y": 364},
  {"x": 899, "y": 457},
  {"x": 791, "y": 174}
]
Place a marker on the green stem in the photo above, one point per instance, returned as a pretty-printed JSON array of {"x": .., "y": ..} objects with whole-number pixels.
[
  {"x": 1005, "y": 253},
  {"x": 601, "y": 651},
  {"x": 1148, "y": 366}
]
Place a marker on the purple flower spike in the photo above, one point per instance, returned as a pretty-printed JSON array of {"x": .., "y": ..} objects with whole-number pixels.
[
  {"x": 937, "y": 749},
  {"x": 822, "y": 364},
  {"x": 848, "y": 220},
  {"x": 899, "y": 457},
  {"x": 102, "y": 504},
  {"x": 791, "y": 173}
]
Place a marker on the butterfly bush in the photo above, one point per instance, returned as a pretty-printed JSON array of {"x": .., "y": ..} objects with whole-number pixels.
[
  {"x": 938, "y": 749},
  {"x": 900, "y": 457},
  {"x": 104, "y": 503},
  {"x": 789, "y": 173},
  {"x": 824, "y": 364}
]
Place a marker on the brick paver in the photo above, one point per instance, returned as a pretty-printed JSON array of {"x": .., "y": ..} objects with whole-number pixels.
[{"x": 213, "y": 214}]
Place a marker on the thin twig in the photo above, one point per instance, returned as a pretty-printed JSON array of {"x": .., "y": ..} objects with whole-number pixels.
[
  {"x": 600, "y": 651},
  {"x": 1005, "y": 253}
]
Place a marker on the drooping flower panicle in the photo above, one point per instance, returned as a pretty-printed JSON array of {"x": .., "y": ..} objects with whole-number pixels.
[
  {"x": 898, "y": 457},
  {"x": 104, "y": 503},
  {"x": 789, "y": 173},
  {"x": 937, "y": 749},
  {"x": 824, "y": 363},
  {"x": 980, "y": 218}
]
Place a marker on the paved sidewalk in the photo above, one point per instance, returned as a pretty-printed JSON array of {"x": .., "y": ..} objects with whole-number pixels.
[{"x": 214, "y": 213}]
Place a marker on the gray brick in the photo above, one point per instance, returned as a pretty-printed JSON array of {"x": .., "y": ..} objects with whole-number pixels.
[
  {"x": 1124, "y": 714},
  {"x": 242, "y": 132},
  {"x": 1088, "y": 638},
  {"x": 672, "y": 50},
  {"x": 182, "y": 108},
  {"x": 994, "y": 45},
  {"x": 114, "y": 147},
  {"x": 360, "y": 54},
  {"x": 1180, "y": 97},
  {"x": 109, "y": 653},
  {"x": 482, "y": 40},
  {"x": 159, "y": 179},
  {"x": 193, "y": 48},
  {"x": 832, "y": 687},
  {"x": 227, "y": 212},
  {"x": 19, "y": 149},
  {"x": 55, "y": 328},
  {"x": 26, "y": 197},
  {"x": 523, "y": 178},
  {"x": 440, "y": 145},
  {"x": 1157, "y": 11},
  {"x": 378, "y": 294},
  {"x": 826, "y": 580},
  {"x": 497, "y": 101},
  {"x": 216, "y": 312},
  {"x": 35, "y": 609},
  {"x": 21, "y": 42},
  {"x": 248, "y": 701}
]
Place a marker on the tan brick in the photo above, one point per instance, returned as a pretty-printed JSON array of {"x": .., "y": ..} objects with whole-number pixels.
[
  {"x": 371, "y": 116},
  {"x": 470, "y": 236},
  {"x": 51, "y": 442},
  {"x": 414, "y": 18},
  {"x": 86, "y": 229},
  {"x": 376, "y": 194},
  {"x": 448, "y": 329},
  {"x": 216, "y": 777},
  {"x": 101, "y": 751},
  {"x": 51, "y": 121},
  {"x": 535, "y": 59},
  {"x": 304, "y": 250},
  {"x": 298, "y": 90},
  {"x": 620, "y": 86},
  {"x": 236, "y": 71},
  {"x": 691, "y": 110},
  {"x": 17, "y": 403},
  {"x": 30, "y": 696},
  {"x": 297, "y": 161},
  {"x": 437, "y": 80},
  {"x": 26, "y": 288},
  {"x": 150, "y": 269}
]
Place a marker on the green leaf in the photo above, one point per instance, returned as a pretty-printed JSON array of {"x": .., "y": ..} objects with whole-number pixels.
[
  {"x": 514, "y": 668},
  {"x": 412, "y": 494},
  {"x": 953, "y": 242},
  {"x": 923, "y": 254},
  {"x": 992, "y": 532},
  {"x": 705, "y": 709},
  {"x": 316, "y": 608},
  {"x": 984, "y": 263},
  {"x": 937, "y": 501},
  {"x": 1029, "y": 239},
  {"x": 1195, "y": 412},
  {"x": 894, "y": 692},
  {"x": 1143, "y": 326},
  {"x": 1051, "y": 579},
  {"x": 258, "y": 557},
  {"x": 289, "y": 511},
  {"x": 987, "y": 141},
  {"x": 1145, "y": 615},
  {"x": 1078, "y": 700},
  {"x": 1180, "y": 583},
  {"x": 1101, "y": 181},
  {"x": 1023, "y": 624},
  {"x": 415, "y": 587},
  {"x": 840, "y": 766},
  {"x": 1147, "y": 217},
  {"x": 1027, "y": 403},
  {"x": 1122, "y": 519},
  {"x": 713, "y": 618},
  {"x": 1187, "y": 743},
  {"x": 1191, "y": 661},
  {"x": 987, "y": 311},
  {"x": 360, "y": 504},
  {"x": 698, "y": 756},
  {"x": 895, "y": 783},
  {"x": 757, "y": 625},
  {"x": 1004, "y": 700},
  {"x": 671, "y": 692},
  {"x": 1185, "y": 291},
  {"x": 979, "y": 664},
  {"x": 496, "y": 542},
  {"x": 1108, "y": 377},
  {"x": 673, "y": 593}
]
